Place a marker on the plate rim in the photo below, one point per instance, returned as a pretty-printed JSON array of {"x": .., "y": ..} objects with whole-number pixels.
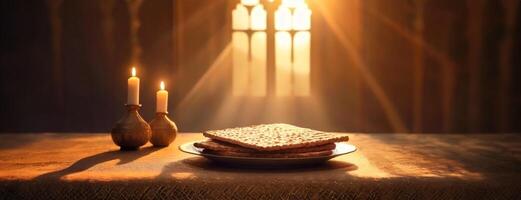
[{"x": 197, "y": 153}]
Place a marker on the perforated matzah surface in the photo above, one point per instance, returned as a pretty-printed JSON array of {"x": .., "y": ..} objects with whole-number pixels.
[{"x": 272, "y": 137}]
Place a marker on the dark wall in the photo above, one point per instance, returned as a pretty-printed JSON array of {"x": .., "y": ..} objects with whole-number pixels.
[
  {"x": 377, "y": 65},
  {"x": 448, "y": 66},
  {"x": 26, "y": 66},
  {"x": 65, "y": 63}
]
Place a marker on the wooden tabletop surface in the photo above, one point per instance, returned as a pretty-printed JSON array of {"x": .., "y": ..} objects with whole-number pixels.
[{"x": 386, "y": 165}]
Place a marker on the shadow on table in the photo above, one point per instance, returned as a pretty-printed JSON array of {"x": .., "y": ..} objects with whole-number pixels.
[
  {"x": 197, "y": 164},
  {"x": 88, "y": 162}
]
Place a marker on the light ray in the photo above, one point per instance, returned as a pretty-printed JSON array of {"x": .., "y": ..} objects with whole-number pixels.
[
  {"x": 214, "y": 71},
  {"x": 403, "y": 32},
  {"x": 390, "y": 110}
]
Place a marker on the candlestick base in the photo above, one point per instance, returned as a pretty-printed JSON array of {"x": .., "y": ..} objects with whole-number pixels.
[
  {"x": 131, "y": 131},
  {"x": 164, "y": 130}
]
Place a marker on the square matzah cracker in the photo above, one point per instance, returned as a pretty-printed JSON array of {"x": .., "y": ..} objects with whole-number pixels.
[
  {"x": 272, "y": 137},
  {"x": 215, "y": 145}
]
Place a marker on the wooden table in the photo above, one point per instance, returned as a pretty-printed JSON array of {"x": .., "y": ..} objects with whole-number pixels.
[{"x": 389, "y": 166}]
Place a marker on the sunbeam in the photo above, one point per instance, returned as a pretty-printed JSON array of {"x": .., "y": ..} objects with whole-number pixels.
[
  {"x": 236, "y": 111},
  {"x": 390, "y": 110}
]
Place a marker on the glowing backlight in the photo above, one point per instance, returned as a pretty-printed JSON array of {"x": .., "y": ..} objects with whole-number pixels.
[
  {"x": 240, "y": 18},
  {"x": 258, "y": 72},
  {"x": 258, "y": 18},
  {"x": 292, "y": 22},
  {"x": 250, "y": 2},
  {"x": 293, "y": 3},
  {"x": 283, "y": 73},
  {"x": 301, "y": 66},
  {"x": 240, "y": 63},
  {"x": 283, "y": 19},
  {"x": 302, "y": 18}
]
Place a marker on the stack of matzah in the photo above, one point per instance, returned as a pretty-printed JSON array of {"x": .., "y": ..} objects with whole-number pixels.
[{"x": 270, "y": 141}]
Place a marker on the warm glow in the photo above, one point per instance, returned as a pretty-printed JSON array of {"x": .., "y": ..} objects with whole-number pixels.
[
  {"x": 302, "y": 18},
  {"x": 301, "y": 63},
  {"x": 133, "y": 71},
  {"x": 250, "y": 2},
  {"x": 293, "y": 3},
  {"x": 283, "y": 19},
  {"x": 240, "y": 18},
  {"x": 240, "y": 63},
  {"x": 283, "y": 64},
  {"x": 292, "y": 52},
  {"x": 249, "y": 76},
  {"x": 258, "y": 18},
  {"x": 292, "y": 63},
  {"x": 249, "y": 51},
  {"x": 162, "y": 85},
  {"x": 258, "y": 73}
]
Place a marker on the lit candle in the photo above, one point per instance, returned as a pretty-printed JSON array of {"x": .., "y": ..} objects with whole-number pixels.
[
  {"x": 162, "y": 99},
  {"x": 133, "y": 89}
]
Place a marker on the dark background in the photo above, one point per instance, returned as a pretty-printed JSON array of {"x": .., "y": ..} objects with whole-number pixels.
[{"x": 377, "y": 65}]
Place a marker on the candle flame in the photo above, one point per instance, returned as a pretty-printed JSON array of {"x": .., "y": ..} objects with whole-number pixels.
[
  {"x": 162, "y": 85},
  {"x": 133, "y": 71}
]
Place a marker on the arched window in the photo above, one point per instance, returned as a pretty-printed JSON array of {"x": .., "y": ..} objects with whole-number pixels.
[
  {"x": 292, "y": 22},
  {"x": 249, "y": 49}
]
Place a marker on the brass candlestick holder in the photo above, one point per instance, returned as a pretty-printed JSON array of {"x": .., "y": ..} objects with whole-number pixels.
[
  {"x": 131, "y": 131},
  {"x": 164, "y": 130}
]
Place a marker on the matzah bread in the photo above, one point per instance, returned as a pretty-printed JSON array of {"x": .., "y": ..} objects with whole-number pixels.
[
  {"x": 223, "y": 146},
  {"x": 269, "y": 155},
  {"x": 274, "y": 137}
]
